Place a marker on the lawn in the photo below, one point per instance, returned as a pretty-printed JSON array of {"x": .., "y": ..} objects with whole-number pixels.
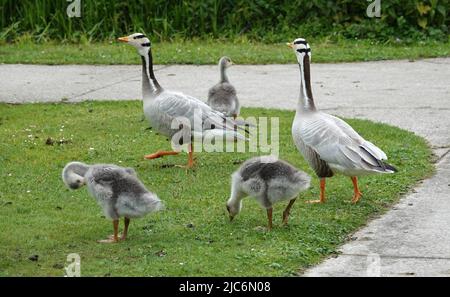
[
  {"x": 193, "y": 236},
  {"x": 209, "y": 51}
]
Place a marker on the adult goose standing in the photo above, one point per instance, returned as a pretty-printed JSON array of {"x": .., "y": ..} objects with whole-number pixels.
[
  {"x": 222, "y": 96},
  {"x": 269, "y": 181},
  {"x": 117, "y": 190},
  {"x": 328, "y": 143},
  {"x": 174, "y": 114}
]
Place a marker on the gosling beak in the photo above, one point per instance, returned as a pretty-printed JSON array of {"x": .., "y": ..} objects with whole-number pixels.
[
  {"x": 123, "y": 39},
  {"x": 231, "y": 218},
  {"x": 290, "y": 44}
]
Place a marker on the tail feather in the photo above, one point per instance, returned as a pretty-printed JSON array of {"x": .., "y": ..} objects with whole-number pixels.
[
  {"x": 374, "y": 150},
  {"x": 152, "y": 203},
  {"x": 159, "y": 206}
]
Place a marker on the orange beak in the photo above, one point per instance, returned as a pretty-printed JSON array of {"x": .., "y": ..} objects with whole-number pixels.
[
  {"x": 290, "y": 45},
  {"x": 123, "y": 39}
]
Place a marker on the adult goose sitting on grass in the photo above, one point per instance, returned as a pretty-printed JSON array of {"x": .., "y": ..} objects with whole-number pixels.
[
  {"x": 268, "y": 180},
  {"x": 117, "y": 190},
  {"x": 222, "y": 96},
  {"x": 171, "y": 112},
  {"x": 328, "y": 143}
]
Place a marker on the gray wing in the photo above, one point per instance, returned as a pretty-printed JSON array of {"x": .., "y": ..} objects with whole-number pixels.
[
  {"x": 336, "y": 144},
  {"x": 349, "y": 131},
  {"x": 179, "y": 105},
  {"x": 107, "y": 174},
  {"x": 131, "y": 171}
]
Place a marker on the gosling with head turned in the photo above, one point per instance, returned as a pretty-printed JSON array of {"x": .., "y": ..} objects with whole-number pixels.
[
  {"x": 117, "y": 190},
  {"x": 269, "y": 180}
]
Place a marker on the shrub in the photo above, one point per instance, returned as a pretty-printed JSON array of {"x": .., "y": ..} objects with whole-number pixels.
[{"x": 263, "y": 20}]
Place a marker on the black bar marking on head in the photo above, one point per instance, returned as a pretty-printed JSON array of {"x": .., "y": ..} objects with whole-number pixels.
[
  {"x": 139, "y": 36},
  {"x": 303, "y": 50},
  {"x": 145, "y": 44},
  {"x": 301, "y": 42}
]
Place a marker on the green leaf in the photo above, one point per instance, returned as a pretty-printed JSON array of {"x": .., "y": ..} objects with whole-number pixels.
[
  {"x": 422, "y": 22},
  {"x": 423, "y": 8},
  {"x": 441, "y": 9}
]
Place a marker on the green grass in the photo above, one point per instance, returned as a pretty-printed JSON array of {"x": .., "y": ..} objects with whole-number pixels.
[
  {"x": 208, "y": 52},
  {"x": 40, "y": 216}
]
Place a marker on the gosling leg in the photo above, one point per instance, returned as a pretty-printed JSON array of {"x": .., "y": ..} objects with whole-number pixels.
[
  {"x": 115, "y": 237},
  {"x": 287, "y": 211},
  {"x": 269, "y": 218},
  {"x": 125, "y": 230}
]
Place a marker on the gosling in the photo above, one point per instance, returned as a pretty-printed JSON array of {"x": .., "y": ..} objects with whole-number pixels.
[
  {"x": 117, "y": 190},
  {"x": 222, "y": 96},
  {"x": 269, "y": 180}
]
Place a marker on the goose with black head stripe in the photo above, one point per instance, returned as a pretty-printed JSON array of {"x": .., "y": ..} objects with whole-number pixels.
[
  {"x": 329, "y": 144},
  {"x": 176, "y": 115}
]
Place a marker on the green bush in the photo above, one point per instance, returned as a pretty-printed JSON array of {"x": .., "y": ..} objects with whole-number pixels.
[{"x": 263, "y": 20}]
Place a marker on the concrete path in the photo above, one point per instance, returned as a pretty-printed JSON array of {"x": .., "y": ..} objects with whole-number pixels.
[{"x": 411, "y": 239}]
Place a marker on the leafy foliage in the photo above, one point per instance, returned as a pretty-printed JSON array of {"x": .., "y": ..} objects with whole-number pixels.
[{"x": 264, "y": 20}]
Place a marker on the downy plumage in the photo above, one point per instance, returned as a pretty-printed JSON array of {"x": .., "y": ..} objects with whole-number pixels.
[
  {"x": 117, "y": 190},
  {"x": 268, "y": 180},
  {"x": 222, "y": 96}
]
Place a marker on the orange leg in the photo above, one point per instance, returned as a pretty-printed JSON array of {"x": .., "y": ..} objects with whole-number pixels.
[
  {"x": 160, "y": 154},
  {"x": 357, "y": 194},
  {"x": 269, "y": 218},
  {"x": 190, "y": 157},
  {"x": 287, "y": 211},
  {"x": 322, "y": 193},
  {"x": 190, "y": 163},
  {"x": 115, "y": 237}
]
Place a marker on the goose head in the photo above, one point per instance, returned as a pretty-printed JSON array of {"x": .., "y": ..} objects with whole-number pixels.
[
  {"x": 301, "y": 49},
  {"x": 225, "y": 62},
  {"x": 233, "y": 208},
  {"x": 139, "y": 41},
  {"x": 72, "y": 175},
  {"x": 75, "y": 181}
]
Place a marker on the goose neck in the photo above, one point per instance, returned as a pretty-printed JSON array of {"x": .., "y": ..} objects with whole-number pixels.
[
  {"x": 223, "y": 74},
  {"x": 150, "y": 86},
  {"x": 306, "y": 101}
]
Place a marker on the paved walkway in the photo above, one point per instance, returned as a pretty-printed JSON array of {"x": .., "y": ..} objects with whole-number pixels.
[{"x": 411, "y": 239}]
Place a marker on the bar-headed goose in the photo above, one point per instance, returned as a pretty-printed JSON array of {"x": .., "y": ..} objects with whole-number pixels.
[
  {"x": 222, "y": 96},
  {"x": 269, "y": 180},
  {"x": 117, "y": 190},
  {"x": 175, "y": 114},
  {"x": 328, "y": 143}
]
